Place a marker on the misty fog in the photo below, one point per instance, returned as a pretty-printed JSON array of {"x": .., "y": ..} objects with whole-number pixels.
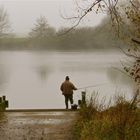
[{"x": 37, "y": 52}]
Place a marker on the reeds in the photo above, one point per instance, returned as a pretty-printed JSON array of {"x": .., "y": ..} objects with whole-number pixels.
[{"x": 98, "y": 121}]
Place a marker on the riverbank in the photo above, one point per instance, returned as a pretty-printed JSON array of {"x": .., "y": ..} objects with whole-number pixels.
[
  {"x": 99, "y": 122},
  {"x": 50, "y": 125}
]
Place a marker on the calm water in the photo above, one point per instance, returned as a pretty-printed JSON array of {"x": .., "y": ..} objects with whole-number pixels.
[{"x": 32, "y": 79}]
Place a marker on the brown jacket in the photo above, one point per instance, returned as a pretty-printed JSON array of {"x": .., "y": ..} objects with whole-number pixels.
[{"x": 67, "y": 87}]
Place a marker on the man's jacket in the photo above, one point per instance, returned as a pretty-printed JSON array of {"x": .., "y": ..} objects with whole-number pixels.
[{"x": 67, "y": 87}]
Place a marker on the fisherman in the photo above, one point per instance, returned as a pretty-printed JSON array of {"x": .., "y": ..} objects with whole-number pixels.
[{"x": 67, "y": 88}]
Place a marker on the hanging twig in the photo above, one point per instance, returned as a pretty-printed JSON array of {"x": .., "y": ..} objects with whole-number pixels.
[
  {"x": 128, "y": 54},
  {"x": 136, "y": 41}
]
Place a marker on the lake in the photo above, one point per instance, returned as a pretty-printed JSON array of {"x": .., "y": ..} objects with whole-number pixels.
[{"x": 32, "y": 79}]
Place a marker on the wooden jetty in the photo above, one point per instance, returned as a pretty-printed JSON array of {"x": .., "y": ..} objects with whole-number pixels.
[{"x": 3, "y": 103}]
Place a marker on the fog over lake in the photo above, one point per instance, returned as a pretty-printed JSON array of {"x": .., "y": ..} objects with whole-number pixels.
[
  {"x": 31, "y": 79},
  {"x": 33, "y": 63}
]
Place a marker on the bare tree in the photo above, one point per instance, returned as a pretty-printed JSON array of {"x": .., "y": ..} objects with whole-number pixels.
[
  {"x": 41, "y": 29},
  {"x": 4, "y": 23}
]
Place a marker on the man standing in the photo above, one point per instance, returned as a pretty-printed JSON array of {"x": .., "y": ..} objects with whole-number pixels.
[{"x": 67, "y": 90}]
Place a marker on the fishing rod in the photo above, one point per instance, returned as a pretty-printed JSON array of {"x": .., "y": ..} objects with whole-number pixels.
[{"x": 91, "y": 86}]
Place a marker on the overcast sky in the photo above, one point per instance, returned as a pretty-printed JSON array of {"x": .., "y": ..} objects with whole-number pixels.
[{"x": 23, "y": 13}]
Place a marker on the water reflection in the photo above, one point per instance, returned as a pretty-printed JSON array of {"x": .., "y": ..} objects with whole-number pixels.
[
  {"x": 3, "y": 78},
  {"x": 43, "y": 72}
]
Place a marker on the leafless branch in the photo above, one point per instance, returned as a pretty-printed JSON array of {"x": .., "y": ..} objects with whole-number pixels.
[
  {"x": 133, "y": 4},
  {"x": 121, "y": 71},
  {"x": 128, "y": 54},
  {"x": 136, "y": 41},
  {"x": 79, "y": 18},
  {"x": 81, "y": 8},
  {"x": 110, "y": 5}
]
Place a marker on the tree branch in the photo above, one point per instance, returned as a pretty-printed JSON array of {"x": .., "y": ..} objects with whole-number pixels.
[
  {"x": 79, "y": 18},
  {"x": 136, "y": 41},
  {"x": 128, "y": 54}
]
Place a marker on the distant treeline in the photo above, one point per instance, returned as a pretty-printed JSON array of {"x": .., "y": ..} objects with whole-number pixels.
[{"x": 84, "y": 38}]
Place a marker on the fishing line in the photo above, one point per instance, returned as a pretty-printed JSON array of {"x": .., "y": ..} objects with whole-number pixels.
[{"x": 92, "y": 86}]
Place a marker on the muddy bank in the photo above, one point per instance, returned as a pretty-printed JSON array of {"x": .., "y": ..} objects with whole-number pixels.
[{"x": 36, "y": 125}]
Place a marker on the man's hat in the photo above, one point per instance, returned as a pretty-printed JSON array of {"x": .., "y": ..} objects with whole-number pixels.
[{"x": 67, "y": 78}]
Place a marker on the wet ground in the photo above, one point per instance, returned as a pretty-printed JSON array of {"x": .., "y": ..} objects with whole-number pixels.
[{"x": 55, "y": 125}]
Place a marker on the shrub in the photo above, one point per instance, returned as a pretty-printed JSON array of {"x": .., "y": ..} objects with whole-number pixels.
[{"x": 118, "y": 122}]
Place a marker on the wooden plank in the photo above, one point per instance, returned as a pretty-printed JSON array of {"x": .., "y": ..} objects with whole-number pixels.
[{"x": 39, "y": 110}]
